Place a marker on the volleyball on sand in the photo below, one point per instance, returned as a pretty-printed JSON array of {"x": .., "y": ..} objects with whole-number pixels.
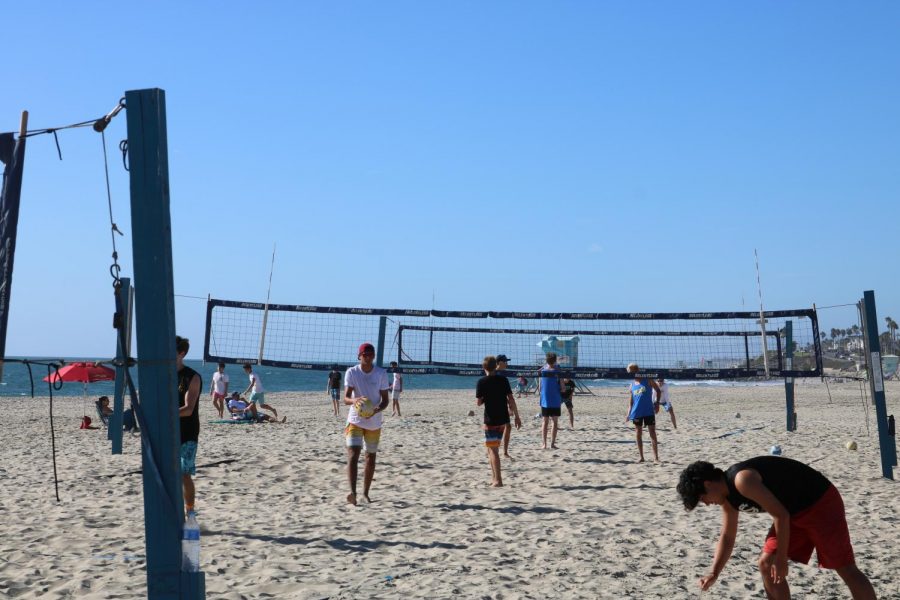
[
  {"x": 365, "y": 408},
  {"x": 851, "y": 445}
]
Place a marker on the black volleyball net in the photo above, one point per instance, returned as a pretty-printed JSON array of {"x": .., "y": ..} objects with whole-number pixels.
[{"x": 712, "y": 345}]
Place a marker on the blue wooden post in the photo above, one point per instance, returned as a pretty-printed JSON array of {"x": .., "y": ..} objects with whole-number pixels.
[
  {"x": 123, "y": 350},
  {"x": 382, "y": 327},
  {"x": 155, "y": 314},
  {"x": 789, "y": 381},
  {"x": 886, "y": 441}
]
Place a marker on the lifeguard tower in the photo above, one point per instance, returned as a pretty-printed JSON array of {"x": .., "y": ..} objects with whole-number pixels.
[{"x": 566, "y": 348}]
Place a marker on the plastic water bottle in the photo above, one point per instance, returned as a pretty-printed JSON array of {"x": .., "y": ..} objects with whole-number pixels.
[{"x": 190, "y": 544}]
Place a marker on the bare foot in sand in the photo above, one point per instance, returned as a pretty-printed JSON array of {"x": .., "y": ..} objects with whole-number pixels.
[
  {"x": 284, "y": 419},
  {"x": 508, "y": 456},
  {"x": 641, "y": 460},
  {"x": 496, "y": 484},
  {"x": 351, "y": 499},
  {"x": 369, "y": 500},
  {"x": 544, "y": 447},
  {"x": 554, "y": 446}
]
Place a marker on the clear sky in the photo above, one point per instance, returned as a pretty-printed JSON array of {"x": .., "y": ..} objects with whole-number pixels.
[{"x": 540, "y": 156}]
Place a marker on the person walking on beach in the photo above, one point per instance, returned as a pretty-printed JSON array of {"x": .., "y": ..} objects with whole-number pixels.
[
  {"x": 363, "y": 384},
  {"x": 568, "y": 391},
  {"x": 493, "y": 392},
  {"x": 502, "y": 365},
  {"x": 218, "y": 389},
  {"x": 256, "y": 392},
  {"x": 189, "y": 386},
  {"x": 550, "y": 388},
  {"x": 396, "y": 388},
  {"x": 334, "y": 389},
  {"x": 642, "y": 410},
  {"x": 662, "y": 399},
  {"x": 807, "y": 513}
]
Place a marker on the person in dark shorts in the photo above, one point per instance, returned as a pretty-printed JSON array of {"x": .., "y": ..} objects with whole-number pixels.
[
  {"x": 493, "y": 392},
  {"x": 502, "y": 365},
  {"x": 568, "y": 391},
  {"x": 642, "y": 410},
  {"x": 550, "y": 390},
  {"x": 189, "y": 386},
  {"x": 334, "y": 389},
  {"x": 806, "y": 509}
]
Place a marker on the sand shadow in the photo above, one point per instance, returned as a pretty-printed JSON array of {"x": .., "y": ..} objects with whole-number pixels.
[
  {"x": 510, "y": 510},
  {"x": 611, "y": 486},
  {"x": 341, "y": 544},
  {"x": 602, "y": 461}
]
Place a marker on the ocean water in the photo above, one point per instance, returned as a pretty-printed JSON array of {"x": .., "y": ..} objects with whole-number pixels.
[{"x": 17, "y": 383}]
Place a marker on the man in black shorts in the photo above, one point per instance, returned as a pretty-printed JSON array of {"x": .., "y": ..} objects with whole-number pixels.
[
  {"x": 568, "y": 391},
  {"x": 807, "y": 513},
  {"x": 502, "y": 365}
]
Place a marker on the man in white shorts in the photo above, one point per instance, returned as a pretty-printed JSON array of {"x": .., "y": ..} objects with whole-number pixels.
[
  {"x": 396, "y": 388},
  {"x": 219, "y": 389},
  {"x": 662, "y": 399},
  {"x": 256, "y": 392}
]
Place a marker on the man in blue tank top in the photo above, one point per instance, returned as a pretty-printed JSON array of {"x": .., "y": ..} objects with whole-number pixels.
[
  {"x": 642, "y": 410},
  {"x": 550, "y": 386}
]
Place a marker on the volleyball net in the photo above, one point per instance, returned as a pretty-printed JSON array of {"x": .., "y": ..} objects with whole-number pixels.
[{"x": 710, "y": 345}]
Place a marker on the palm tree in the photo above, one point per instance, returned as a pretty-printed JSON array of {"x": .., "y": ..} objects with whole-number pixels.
[{"x": 892, "y": 328}]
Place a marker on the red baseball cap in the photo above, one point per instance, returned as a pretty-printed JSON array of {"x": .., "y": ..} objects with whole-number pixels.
[{"x": 366, "y": 348}]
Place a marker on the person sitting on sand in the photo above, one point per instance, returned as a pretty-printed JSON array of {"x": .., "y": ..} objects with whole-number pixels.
[
  {"x": 807, "y": 513},
  {"x": 493, "y": 392},
  {"x": 363, "y": 384},
  {"x": 105, "y": 408},
  {"x": 641, "y": 410}
]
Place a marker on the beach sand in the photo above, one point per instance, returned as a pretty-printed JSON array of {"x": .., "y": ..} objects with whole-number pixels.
[{"x": 583, "y": 521}]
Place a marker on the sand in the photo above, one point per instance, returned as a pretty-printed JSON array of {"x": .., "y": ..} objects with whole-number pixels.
[{"x": 583, "y": 521}]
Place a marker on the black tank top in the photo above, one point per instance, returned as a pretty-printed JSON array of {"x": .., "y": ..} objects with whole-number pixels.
[
  {"x": 190, "y": 425},
  {"x": 796, "y": 485}
]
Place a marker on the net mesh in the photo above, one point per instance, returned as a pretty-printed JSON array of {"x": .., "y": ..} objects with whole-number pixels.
[{"x": 677, "y": 345}]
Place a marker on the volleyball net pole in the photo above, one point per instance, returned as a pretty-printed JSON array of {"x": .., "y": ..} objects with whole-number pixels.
[
  {"x": 262, "y": 333},
  {"x": 886, "y": 425}
]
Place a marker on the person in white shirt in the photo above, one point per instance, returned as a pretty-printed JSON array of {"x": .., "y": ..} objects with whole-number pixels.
[
  {"x": 256, "y": 391},
  {"x": 218, "y": 389},
  {"x": 396, "y": 388},
  {"x": 363, "y": 384},
  {"x": 662, "y": 399}
]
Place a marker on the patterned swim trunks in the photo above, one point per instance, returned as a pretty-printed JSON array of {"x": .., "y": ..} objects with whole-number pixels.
[
  {"x": 493, "y": 435},
  {"x": 355, "y": 436},
  {"x": 189, "y": 458}
]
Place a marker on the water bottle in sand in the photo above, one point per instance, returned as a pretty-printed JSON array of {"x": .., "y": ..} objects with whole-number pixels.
[{"x": 190, "y": 543}]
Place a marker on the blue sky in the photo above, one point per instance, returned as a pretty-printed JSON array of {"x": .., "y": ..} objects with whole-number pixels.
[{"x": 573, "y": 156}]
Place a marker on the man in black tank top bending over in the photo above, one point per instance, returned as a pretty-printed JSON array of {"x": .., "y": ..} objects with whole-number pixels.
[
  {"x": 189, "y": 384},
  {"x": 807, "y": 511}
]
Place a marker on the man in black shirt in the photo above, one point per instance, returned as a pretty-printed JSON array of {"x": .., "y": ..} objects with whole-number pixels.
[
  {"x": 502, "y": 365},
  {"x": 493, "y": 392},
  {"x": 334, "y": 388},
  {"x": 189, "y": 384},
  {"x": 807, "y": 511}
]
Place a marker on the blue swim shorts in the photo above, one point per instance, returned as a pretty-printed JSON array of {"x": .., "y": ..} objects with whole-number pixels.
[
  {"x": 335, "y": 393},
  {"x": 189, "y": 458}
]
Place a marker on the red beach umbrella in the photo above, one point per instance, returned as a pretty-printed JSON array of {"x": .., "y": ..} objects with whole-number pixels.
[{"x": 83, "y": 372}]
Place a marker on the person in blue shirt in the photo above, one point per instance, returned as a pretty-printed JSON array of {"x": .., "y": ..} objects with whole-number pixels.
[
  {"x": 550, "y": 388},
  {"x": 642, "y": 409}
]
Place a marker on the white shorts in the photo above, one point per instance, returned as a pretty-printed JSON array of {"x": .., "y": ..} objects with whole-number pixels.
[{"x": 395, "y": 394}]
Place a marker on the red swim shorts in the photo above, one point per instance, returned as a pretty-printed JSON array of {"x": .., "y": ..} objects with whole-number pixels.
[{"x": 822, "y": 526}]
